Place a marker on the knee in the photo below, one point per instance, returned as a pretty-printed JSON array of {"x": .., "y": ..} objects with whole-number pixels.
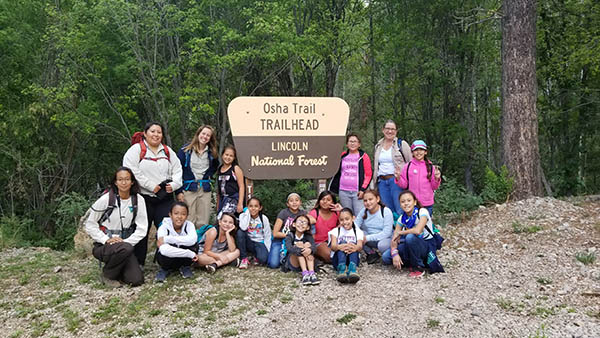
[
  {"x": 386, "y": 257},
  {"x": 240, "y": 235}
]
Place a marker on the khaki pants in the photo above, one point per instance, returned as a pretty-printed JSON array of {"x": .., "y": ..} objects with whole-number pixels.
[{"x": 199, "y": 203}]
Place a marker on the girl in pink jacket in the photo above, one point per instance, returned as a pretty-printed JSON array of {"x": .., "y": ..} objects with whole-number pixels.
[{"x": 420, "y": 176}]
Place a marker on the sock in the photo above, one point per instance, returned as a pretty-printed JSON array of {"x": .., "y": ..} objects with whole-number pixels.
[
  {"x": 304, "y": 273},
  {"x": 311, "y": 272}
]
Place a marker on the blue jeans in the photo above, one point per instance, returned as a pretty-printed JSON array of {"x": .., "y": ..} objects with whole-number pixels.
[
  {"x": 274, "y": 259},
  {"x": 413, "y": 252},
  {"x": 389, "y": 192},
  {"x": 245, "y": 244},
  {"x": 341, "y": 257}
]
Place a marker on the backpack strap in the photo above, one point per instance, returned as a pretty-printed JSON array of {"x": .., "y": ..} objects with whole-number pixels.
[
  {"x": 144, "y": 149},
  {"x": 407, "y": 167},
  {"x": 400, "y": 148},
  {"x": 112, "y": 202}
]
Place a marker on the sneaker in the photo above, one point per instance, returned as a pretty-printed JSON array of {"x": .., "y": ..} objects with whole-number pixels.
[
  {"x": 314, "y": 280},
  {"x": 244, "y": 263},
  {"x": 341, "y": 276},
  {"x": 306, "y": 280},
  {"x": 111, "y": 283},
  {"x": 235, "y": 263},
  {"x": 353, "y": 276},
  {"x": 186, "y": 272},
  {"x": 254, "y": 261},
  {"x": 416, "y": 274},
  {"x": 161, "y": 275},
  {"x": 211, "y": 268},
  {"x": 373, "y": 258}
]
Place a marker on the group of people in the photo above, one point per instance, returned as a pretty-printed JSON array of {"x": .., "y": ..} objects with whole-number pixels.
[{"x": 385, "y": 209}]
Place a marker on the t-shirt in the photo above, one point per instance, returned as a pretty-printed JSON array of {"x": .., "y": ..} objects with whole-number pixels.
[
  {"x": 376, "y": 226},
  {"x": 386, "y": 162},
  {"x": 349, "y": 173},
  {"x": 199, "y": 163},
  {"x": 323, "y": 226},
  {"x": 344, "y": 236},
  {"x": 256, "y": 230},
  {"x": 287, "y": 217}
]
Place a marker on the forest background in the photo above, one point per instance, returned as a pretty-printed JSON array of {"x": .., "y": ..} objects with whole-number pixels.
[{"x": 79, "y": 77}]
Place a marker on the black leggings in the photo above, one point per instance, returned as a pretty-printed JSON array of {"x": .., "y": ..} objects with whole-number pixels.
[{"x": 156, "y": 209}]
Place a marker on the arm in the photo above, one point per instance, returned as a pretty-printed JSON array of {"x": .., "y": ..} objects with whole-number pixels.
[
  {"x": 91, "y": 225},
  {"x": 291, "y": 248},
  {"x": 181, "y": 158},
  {"x": 406, "y": 151},
  {"x": 244, "y": 219},
  {"x": 312, "y": 216},
  {"x": 211, "y": 235},
  {"x": 131, "y": 159},
  {"x": 189, "y": 239},
  {"x": 230, "y": 240},
  {"x": 334, "y": 245},
  {"x": 141, "y": 222},
  {"x": 436, "y": 178},
  {"x": 241, "y": 187},
  {"x": 386, "y": 231},
  {"x": 368, "y": 172},
  {"x": 403, "y": 183},
  {"x": 176, "y": 172},
  {"x": 277, "y": 228}
]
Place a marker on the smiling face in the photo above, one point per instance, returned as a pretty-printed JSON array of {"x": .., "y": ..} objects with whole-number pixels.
[
  {"x": 326, "y": 202},
  {"x": 228, "y": 156},
  {"x": 302, "y": 224},
  {"x": 294, "y": 203},
  {"x": 419, "y": 154},
  {"x": 407, "y": 203},
  {"x": 153, "y": 135},
  {"x": 371, "y": 202},
  {"x": 254, "y": 207},
  {"x": 178, "y": 215},
  {"x": 346, "y": 220},
  {"x": 123, "y": 182},
  {"x": 204, "y": 136},
  {"x": 353, "y": 144},
  {"x": 389, "y": 130},
  {"x": 226, "y": 223}
]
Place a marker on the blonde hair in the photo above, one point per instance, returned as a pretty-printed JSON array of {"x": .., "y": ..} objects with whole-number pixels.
[{"x": 195, "y": 143}]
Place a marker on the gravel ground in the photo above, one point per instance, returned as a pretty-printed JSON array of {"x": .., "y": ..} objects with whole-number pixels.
[{"x": 511, "y": 271}]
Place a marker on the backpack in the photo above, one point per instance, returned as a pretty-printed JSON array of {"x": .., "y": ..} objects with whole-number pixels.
[
  {"x": 138, "y": 137},
  {"x": 114, "y": 201},
  {"x": 400, "y": 148}
]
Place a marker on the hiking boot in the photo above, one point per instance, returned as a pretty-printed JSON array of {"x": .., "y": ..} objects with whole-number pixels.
[
  {"x": 211, "y": 268},
  {"x": 306, "y": 280},
  {"x": 341, "y": 276},
  {"x": 353, "y": 276},
  {"x": 186, "y": 272},
  {"x": 373, "y": 258},
  {"x": 244, "y": 263},
  {"x": 111, "y": 283},
  {"x": 161, "y": 275},
  {"x": 314, "y": 280}
]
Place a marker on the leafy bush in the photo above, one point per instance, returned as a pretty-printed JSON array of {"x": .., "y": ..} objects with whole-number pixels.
[
  {"x": 70, "y": 208},
  {"x": 273, "y": 194},
  {"x": 453, "y": 197},
  {"x": 17, "y": 231},
  {"x": 498, "y": 187}
]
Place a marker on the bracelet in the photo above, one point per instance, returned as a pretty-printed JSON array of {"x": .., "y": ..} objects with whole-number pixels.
[
  {"x": 394, "y": 254},
  {"x": 394, "y": 251}
]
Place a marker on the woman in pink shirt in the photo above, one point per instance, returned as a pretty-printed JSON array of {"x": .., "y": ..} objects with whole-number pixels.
[
  {"x": 420, "y": 176},
  {"x": 324, "y": 217}
]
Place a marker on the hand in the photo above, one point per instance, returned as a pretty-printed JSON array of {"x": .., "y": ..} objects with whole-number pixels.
[
  {"x": 438, "y": 173},
  {"x": 114, "y": 240},
  {"x": 240, "y": 208},
  {"x": 195, "y": 259},
  {"x": 229, "y": 230},
  {"x": 156, "y": 189},
  {"x": 360, "y": 195},
  {"x": 397, "y": 261},
  {"x": 306, "y": 252},
  {"x": 336, "y": 207},
  {"x": 180, "y": 197},
  {"x": 299, "y": 245},
  {"x": 397, "y": 172},
  {"x": 169, "y": 188},
  {"x": 160, "y": 241}
]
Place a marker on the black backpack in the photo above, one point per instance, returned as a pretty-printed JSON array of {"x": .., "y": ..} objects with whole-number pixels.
[{"x": 114, "y": 201}]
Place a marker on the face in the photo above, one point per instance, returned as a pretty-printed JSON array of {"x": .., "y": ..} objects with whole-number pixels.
[
  {"x": 419, "y": 154},
  {"x": 346, "y": 220},
  {"x": 294, "y": 203},
  {"x": 178, "y": 215},
  {"x": 204, "y": 136},
  {"x": 124, "y": 182},
  {"x": 326, "y": 202},
  {"x": 154, "y": 135},
  {"x": 371, "y": 201},
  {"x": 226, "y": 223},
  {"x": 228, "y": 156},
  {"x": 389, "y": 130},
  {"x": 407, "y": 203},
  {"x": 353, "y": 143},
  {"x": 302, "y": 224},
  {"x": 254, "y": 208}
]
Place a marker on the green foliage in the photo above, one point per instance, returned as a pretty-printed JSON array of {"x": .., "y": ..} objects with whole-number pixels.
[
  {"x": 71, "y": 207},
  {"x": 452, "y": 197},
  {"x": 17, "y": 231},
  {"x": 586, "y": 257},
  {"x": 273, "y": 194},
  {"x": 520, "y": 228},
  {"x": 433, "y": 323},
  {"x": 346, "y": 319},
  {"x": 497, "y": 187}
]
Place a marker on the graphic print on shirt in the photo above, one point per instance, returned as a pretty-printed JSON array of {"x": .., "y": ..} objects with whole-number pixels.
[
  {"x": 222, "y": 183},
  {"x": 286, "y": 225},
  {"x": 255, "y": 227}
]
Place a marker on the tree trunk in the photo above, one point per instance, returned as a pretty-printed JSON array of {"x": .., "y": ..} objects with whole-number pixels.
[{"x": 519, "y": 116}]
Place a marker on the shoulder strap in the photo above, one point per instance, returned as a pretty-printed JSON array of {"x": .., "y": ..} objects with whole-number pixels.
[
  {"x": 381, "y": 209},
  {"x": 134, "y": 205},
  {"x": 400, "y": 148},
  {"x": 144, "y": 149},
  {"x": 407, "y": 181},
  {"x": 112, "y": 202}
]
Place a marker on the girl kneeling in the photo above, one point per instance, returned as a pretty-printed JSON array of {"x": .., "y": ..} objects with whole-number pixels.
[
  {"x": 301, "y": 248},
  {"x": 217, "y": 248},
  {"x": 254, "y": 235},
  {"x": 176, "y": 242},
  {"x": 346, "y": 242}
]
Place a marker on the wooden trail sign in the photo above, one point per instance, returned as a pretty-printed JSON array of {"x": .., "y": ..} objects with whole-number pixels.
[{"x": 288, "y": 137}]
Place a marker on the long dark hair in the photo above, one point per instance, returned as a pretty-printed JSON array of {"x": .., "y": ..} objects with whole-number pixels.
[
  {"x": 348, "y": 210},
  {"x": 408, "y": 192},
  {"x": 321, "y": 196},
  {"x": 376, "y": 194},
  {"x": 235, "y": 161},
  {"x": 429, "y": 166},
  {"x": 260, "y": 212},
  {"x": 135, "y": 187}
]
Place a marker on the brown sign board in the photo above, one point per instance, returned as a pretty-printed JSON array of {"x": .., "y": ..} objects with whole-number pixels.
[{"x": 288, "y": 137}]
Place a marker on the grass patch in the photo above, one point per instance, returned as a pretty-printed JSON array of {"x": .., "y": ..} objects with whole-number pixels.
[
  {"x": 439, "y": 300},
  {"x": 39, "y": 328},
  {"x": 433, "y": 323},
  {"x": 544, "y": 281},
  {"x": 72, "y": 320},
  {"x": 593, "y": 314},
  {"x": 286, "y": 298},
  {"x": 586, "y": 257},
  {"x": 229, "y": 332},
  {"x": 543, "y": 311},
  {"x": 519, "y": 228},
  {"x": 261, "y": 312},
  {"x": 17, "y": 334},
  {"x": 539, "y": 333},
  {"x": 108, "y": 311},
  {"x": 347, "y": 318},
  {"x": 63, "y": 297}
]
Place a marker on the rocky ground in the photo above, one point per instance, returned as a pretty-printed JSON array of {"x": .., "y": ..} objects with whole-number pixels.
[{"x": 521, "y": 269}]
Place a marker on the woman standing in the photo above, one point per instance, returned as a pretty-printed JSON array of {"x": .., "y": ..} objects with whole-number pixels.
[
  {"x": 391, "y": 154},
  {"x": 159, "y": 175},
  {"x": 116, "y": 224},
  {"x": 199, "y": 160},
  {"x": 353, "y": 176}
]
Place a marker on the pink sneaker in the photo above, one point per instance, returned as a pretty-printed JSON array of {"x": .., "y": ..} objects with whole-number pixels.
[
  {"x": 416, "y": 274},
  {"x": 244, "y": 263}
]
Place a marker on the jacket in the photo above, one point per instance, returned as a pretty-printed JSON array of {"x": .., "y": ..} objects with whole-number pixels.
[
  {"x": 190, "y": 182},
  {"x": 365, "y": 173},
  {"x": 414, "y": 178},
  {"x": 401, "y": 156}
]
